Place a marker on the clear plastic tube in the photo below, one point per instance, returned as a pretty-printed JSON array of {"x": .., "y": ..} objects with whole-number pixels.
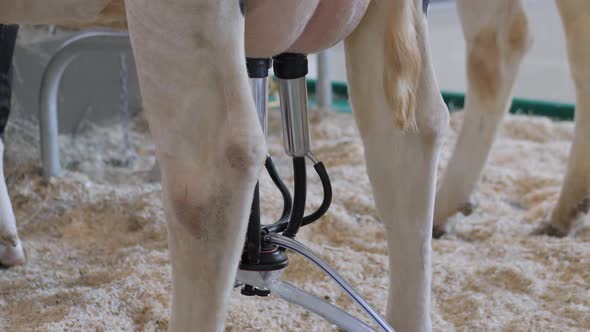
[
  {"x": 331, "y": 313},
  {"x": 299, "y": 248}
]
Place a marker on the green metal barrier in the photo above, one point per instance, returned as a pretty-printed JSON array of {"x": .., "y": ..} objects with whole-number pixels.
[{"x": 455, "y": 101}]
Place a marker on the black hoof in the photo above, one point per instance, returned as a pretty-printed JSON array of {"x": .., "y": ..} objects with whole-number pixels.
[
  {"x": 468, "y": 208},
  {"x": 584, "y": 207},
  {"x": 438, "y": 232},
  {"x": 550, "y": 230}
]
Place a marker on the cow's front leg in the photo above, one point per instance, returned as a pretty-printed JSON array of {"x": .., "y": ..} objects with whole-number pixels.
[
  {"x": 191, "y": 65},
  {"x": 401, "y": 118}
]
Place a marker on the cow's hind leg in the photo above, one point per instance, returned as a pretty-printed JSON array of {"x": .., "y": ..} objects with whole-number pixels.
[
  {"x": 192, "y": 71},
  {"x": 401, "y": 118},
  {"x": 497, "y": 38},
  {"x": 11, "y": 251},
  {"x": 574, "y": 199}
]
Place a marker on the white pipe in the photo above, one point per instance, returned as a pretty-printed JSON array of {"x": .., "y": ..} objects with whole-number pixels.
[
  {"x": 48, "y": 100},
  {"x": 324, "y": 83}
]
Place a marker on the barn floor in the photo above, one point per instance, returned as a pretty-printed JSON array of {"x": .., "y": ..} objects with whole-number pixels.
[{"x": 97, "y": 257}]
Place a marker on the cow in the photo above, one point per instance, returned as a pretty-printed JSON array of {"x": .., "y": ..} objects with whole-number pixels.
[
  {"x": 11, "y": 251},
  {"x": 497, "y": 37},
  {"x": 190, "y": 56}
]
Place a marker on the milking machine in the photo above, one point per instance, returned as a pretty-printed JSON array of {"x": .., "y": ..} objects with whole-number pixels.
[{"x": 264, "y": 258}]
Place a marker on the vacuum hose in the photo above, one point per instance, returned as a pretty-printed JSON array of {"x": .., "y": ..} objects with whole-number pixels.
[{"x": 299, "y": 197}]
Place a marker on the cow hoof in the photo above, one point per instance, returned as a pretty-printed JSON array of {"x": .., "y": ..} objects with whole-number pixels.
[
  {"x": 584, "y": 206},
  {"x": 468, "y": 208},
  {"x": 438, "y": 231},
  {"x": 12, "y": 255},
  {"x": 550, "y": 230}
]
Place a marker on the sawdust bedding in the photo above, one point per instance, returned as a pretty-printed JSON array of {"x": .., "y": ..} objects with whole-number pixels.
[{"x": 98, "y": 260}]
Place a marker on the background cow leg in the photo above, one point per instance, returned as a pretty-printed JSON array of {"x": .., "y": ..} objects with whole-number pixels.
[
  {"x": 11, "y": 251},
  {"x": 401, "y": 163},
  {"x": 192, "y": 72},
  {"x": 574, "y": 199},
  {"x": 497, "y": 38}
]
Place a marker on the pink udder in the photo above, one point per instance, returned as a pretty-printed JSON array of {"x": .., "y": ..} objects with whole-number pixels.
[{"x": 303, "y": 26}]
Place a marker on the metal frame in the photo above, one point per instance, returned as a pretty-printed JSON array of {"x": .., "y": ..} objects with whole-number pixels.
[
  {"x": 96, "y": 41},
  {"x": 324, "y": 74}
]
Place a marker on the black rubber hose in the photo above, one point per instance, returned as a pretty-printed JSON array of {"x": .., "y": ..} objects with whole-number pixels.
[
  {"x": 327, "y": 186},
  {"x": 281, "y": 224},
  {"x": 299, "y": 196},
  {"x": 252, "y": 248}
]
